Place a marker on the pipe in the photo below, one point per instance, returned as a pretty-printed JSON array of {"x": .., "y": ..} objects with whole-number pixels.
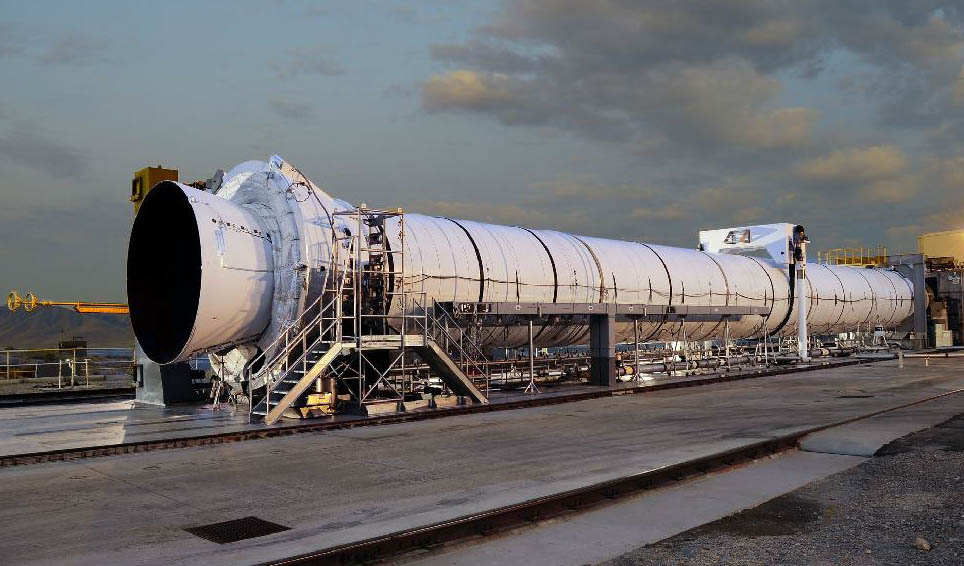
[
  {"x": 817, "y": 353},
  {"x": 712, "y": 363}
]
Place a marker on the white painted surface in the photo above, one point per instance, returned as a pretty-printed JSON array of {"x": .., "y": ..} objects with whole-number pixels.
[
  {"x": 237, "y": 275},
  {"x": 461, "y": 260}
]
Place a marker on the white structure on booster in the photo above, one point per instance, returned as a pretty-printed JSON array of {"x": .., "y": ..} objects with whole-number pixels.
[{"x": 227, "y": 272}]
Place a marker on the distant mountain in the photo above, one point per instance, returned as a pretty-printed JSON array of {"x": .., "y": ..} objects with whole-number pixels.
[{"x": 46, "y": 326}]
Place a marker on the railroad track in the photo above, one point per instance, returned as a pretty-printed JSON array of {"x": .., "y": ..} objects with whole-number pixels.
[
  {"x": 58, "y": 396},
  {"x": 68, "y": 454},
  {"x": 503, "y": 519}
]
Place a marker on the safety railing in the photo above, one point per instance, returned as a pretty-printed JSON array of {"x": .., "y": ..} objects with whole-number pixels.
[
  {"x": 470, "y": 355},
  {"x": 325, "y": 319},
  {"x": 437, "y": 324},
  {"x": 63, "y": 364}
]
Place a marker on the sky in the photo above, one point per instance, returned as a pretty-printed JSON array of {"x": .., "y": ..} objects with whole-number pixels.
[{"x": 644, "y": 120}]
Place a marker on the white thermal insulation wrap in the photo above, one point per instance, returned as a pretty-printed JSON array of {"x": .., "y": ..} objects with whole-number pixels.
[{"x": 210, "y": 272}]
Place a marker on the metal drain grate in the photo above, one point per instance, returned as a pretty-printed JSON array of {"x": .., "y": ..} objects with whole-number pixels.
[{"x": 238, "y": 529}]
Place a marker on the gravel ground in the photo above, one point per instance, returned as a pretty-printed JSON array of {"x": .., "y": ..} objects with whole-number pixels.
[{"x": 871, "y": 514}]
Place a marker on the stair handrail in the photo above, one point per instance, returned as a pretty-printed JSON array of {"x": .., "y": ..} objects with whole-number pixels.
[
  {"x": 323, "y": 329},
  {"x": 291, "y": 342},
  {"x": 441, "y": 314},
  {"x": 307, "y": 326},
  {"x": 306, "y": 348},
  {"x": 444, "y": 314},
  {"x": 420, "y": 319},
  {"x": 285, "y": 335}
]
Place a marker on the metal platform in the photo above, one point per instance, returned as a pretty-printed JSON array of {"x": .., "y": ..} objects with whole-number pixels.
[{"x": 392, "y": 341}]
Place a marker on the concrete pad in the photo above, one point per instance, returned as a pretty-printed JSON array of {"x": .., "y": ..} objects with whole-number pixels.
[
  {"x": 84, "y": 424},
  {"x": 598, "y": 535},
  {"x": 39, "y": 428},
  {"x": 343, "y": 486},
  {"x": 865, "y": 437}
]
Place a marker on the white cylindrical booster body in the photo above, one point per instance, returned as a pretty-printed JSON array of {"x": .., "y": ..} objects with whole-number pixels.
[
  {"x": 207, "y": 272},
  {"x": 200, "y": 273},
  {"x": 277, "y": 251},
  {"x": 459, "y": 260}
]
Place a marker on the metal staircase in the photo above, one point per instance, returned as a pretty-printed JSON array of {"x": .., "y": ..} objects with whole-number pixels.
[
  {"x": 449, "y": 349},
  {"x": 450, "y": 373},
  {"x": 333, "y": 344},
  {"x": 302, "y": 353}
]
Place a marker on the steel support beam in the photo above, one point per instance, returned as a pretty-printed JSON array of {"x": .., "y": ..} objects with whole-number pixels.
[
  {"x": 602, "y": 350},
  {"x": 912, "y": 267}
]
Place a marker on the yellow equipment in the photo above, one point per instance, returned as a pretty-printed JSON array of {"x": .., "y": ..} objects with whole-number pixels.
[
  {"x": 145, "y": 179},
  {"x": 943, "y": 244},
  {"x": 857, "y": 257},
  {"x": 29, "y": 302},
  {"x": 319, "y": 404}
]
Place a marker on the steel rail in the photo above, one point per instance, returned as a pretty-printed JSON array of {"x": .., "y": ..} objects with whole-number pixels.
[
  {"x": 502, "y": 519},
  {"x": 67, "y": 454},
  {"x": 65, "y": 396}
]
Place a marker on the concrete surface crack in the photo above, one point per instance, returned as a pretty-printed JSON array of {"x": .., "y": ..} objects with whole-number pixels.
[{"x": 147, "y": 489}]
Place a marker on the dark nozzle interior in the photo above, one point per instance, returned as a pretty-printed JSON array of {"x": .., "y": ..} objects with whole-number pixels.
[{"x": 164, "y": 272}]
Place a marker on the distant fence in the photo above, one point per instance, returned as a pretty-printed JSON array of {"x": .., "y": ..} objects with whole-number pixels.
[
  {"x": 66, "y": 364},
  {"x": 74, "y": 365}
]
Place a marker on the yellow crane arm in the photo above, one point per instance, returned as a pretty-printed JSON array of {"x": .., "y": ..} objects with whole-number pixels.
[{"x": 29, "y": 302}]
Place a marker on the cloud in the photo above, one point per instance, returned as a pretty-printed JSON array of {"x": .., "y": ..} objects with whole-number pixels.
[
  {"x": 292, "y": 110},
  {"x": 614, "y": 34},
  {"x": 669, "y": 212},
  {"x": 855, "y": 165},
  {"x": 890, "y": 191},
  {"x": 399, "y": 90},
  {"x": 54, "y": 242},
  {"x": 316, "y": 60},
  {"x": 623, "y": 211},
  {"x": 726, "y": 103},
  {"x": 316, "y": 11},
  {"x": 951, "y": 218},
  {"x": 73, "y": 50},
  {"x": 957, "y": 91},
  {"x": 483, "y": 55},
  {"x": 479, "y": 92},
  {"x": 704, "y": 77},
  {"x": 699, "y": 98},
  {"x": 26, "y": 145},
  {"x": 927, "y": 33},
  {"x": 950, "y": 171},
  {"x": 573, "y": 204},
  {"x": 583, "y": 189},
  {"x": 403, "y": 13},
  {"x": 511, "y": 214},
  {"x": 11, "y": 40}
]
